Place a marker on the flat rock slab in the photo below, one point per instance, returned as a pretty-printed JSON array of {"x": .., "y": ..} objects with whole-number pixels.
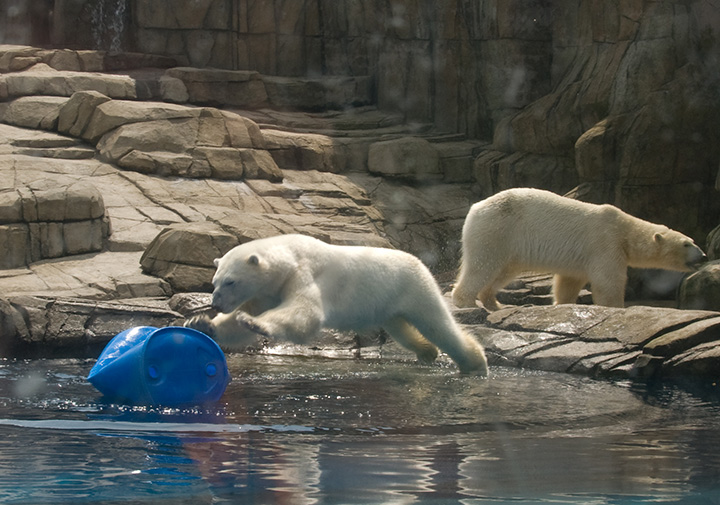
[{"x": 637, "y": 341}]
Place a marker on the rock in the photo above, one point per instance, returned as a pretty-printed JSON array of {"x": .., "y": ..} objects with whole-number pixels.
[
  {"x": 411, "y": 211},
  {"x": 50, "y": 218},
  {"x": 203, "y": 143},
  {"x": 602, "y": 341},
  {"x": 183, "y": 255},
  {"x": 108, "y": 115},
  {"x": 36, "y": 326},
  {"x": 226, "y": 87},
  {"x": 318, "y": 94},
  {"x": 534, "y": 289},
  {"x": 14, "y": 58},
  {"x": 76, "y": 112},
  {"x": 33, "y": 112},
  {"x": 302, "y": 151},
  {"x": 701, "y": 290},
  {"x": 43, "y": 80},
  {"x": 496, "y": 171},
  {"x": 713, "y": 243},
  {"x": 409, "y": 157},
  {"x": 173, "y": 90}
]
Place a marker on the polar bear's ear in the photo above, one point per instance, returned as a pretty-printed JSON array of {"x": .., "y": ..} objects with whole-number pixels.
[
  {"x": 658, "y": 237},
  {"x": 253, "y": 259},
  {"x": 216, "y": 262}
]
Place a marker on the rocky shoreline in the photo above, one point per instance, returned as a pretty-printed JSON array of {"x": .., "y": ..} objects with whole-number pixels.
[
  {"x": 638, "y": 342},
  {"x": 119, "y": 189}
]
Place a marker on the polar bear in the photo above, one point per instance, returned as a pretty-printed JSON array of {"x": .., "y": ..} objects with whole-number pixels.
[
  {"x": 295, "y": 285},
  {"x": 530, "y": 229}
]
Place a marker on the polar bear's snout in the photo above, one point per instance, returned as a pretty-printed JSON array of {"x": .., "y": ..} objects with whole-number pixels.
[
  {"x": 220, "y": 302},
  {"x": 216, "y": 301},
  {"x": 696, "y": 258}
]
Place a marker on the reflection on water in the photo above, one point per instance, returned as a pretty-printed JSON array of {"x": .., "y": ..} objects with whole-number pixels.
[{"x": 313, "y": 430}]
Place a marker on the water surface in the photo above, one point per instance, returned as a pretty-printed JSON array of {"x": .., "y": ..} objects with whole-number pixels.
[{"x": 294, "y": 429}]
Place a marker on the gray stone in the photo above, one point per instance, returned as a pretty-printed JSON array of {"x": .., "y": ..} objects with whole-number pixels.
[
  {"x": 713, "y": 243},
  {"x": 318, "y": 94},
  {"x": 50, "y": 326},
  {"x": 701, "y": 290}
]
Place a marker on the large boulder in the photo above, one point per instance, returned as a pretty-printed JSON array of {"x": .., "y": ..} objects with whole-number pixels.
[
  {"x": 701, "y": 290},
  {"x": 183, "y": 255},
  {"x": 75, "y": 113},
  {"x": 50, "y": 218},
  {"x": 105, "y": 116},
  {"x": 180, "y": 141},
  {"x": 37, "y": 112}
]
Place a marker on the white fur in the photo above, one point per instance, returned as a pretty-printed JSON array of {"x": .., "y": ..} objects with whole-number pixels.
[
  {"x": 296, "y": 285},
  {"x": 530, "y": 229}
]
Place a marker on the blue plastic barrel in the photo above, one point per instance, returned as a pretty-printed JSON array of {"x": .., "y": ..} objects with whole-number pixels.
[{"x": 170, "y": 366}]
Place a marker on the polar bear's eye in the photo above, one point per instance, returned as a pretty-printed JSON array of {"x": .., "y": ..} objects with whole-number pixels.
[{"x": 228, "y": 283}]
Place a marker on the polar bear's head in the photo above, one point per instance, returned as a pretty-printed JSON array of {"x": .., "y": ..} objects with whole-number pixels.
[
  {"x": 675, "y": 251},
  {"x": 248, "y": 271}
]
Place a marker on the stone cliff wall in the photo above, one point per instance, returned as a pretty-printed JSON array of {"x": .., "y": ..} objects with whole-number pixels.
[{"x": 461, "y": 65}]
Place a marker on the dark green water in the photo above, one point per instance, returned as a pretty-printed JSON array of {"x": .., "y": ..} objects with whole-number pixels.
[{"x": 316, "y": 430}]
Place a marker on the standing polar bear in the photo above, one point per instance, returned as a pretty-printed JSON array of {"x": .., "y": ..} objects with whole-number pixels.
[
  {"x": 296, "y": 285},
  {"x": 530, "y": 229}
]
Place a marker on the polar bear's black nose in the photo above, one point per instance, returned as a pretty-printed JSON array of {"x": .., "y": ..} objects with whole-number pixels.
[{"x": 215, "y": 302}]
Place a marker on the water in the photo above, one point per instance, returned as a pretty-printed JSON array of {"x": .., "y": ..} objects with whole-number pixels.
[
  {"x": 304, "y": 430},
  {"x": 108, "y": 24}
]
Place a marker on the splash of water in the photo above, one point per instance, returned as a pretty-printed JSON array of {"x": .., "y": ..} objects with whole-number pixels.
[{"x": 108, "y": 24}]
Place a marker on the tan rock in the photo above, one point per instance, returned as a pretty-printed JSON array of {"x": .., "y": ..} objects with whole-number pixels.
[
  {"x": 75, "y": 114},
  {"x": 183, "y": 254},
  {"x": 38, "y": 112},
  {"x": 43, "y": 80},
  {"x": 115, "y": 113},
  {"x": 302, "y": 151}
]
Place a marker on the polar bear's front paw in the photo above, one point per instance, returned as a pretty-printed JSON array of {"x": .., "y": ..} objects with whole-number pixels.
[
  {"x": 249, "y": 323},
  {"x": 201, "y": 323}
]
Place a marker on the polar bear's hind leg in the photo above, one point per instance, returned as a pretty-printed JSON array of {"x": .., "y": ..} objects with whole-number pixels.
[
  {"x": 566, "y": 289},
  {"x": 408, "y": 337},
  {"x": 442, "y": 330}
]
